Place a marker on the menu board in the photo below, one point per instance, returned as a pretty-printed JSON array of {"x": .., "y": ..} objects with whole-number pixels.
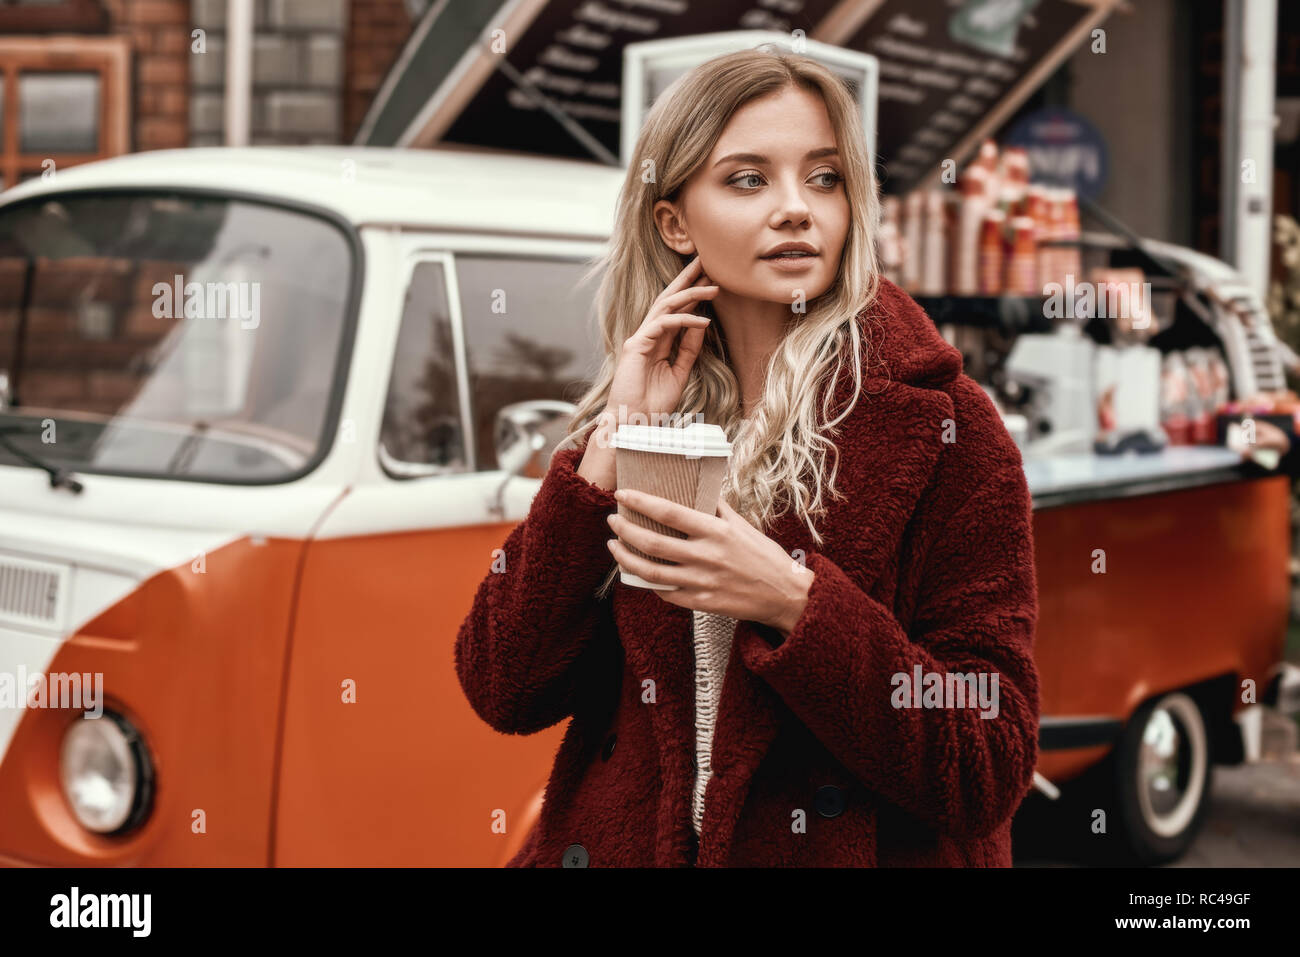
[
  {"x": 573, "y": 52},
  {"x": 944, "y": 66}
]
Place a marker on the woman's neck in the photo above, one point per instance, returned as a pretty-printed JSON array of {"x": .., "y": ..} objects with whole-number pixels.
[{"x": 753, "y": 330}]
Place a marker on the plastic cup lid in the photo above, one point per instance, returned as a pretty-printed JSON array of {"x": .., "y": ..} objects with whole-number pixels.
[{"x": 694, "y": 440}]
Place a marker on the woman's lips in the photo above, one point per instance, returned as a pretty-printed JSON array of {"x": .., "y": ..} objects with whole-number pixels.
[{"x": 792, "y": 263}]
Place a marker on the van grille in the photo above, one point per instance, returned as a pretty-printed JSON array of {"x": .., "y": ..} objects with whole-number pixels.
[{"x": 30, "y": 591}]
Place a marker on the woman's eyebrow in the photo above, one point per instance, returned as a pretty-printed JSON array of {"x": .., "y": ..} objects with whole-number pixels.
[{"x": 759, "y": 158}]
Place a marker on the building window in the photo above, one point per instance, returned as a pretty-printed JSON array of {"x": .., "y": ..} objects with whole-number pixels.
[{"x": 63, "y": 101}]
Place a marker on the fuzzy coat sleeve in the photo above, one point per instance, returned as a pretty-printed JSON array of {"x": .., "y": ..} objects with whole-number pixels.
[
  {"x": 517, "y": 649},
  {"x": 960, "y": 773}
]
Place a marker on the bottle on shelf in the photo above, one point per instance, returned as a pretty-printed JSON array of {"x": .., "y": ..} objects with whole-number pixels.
[
  {"x": 934, "y": 257},
  {"x": 991, "y": 253},
  {"x": 889, "y": 244},
  {"x": 913, "y": 233},
  {"x": 966, "y": 242},
  {"x": 1022, "y": 264}
]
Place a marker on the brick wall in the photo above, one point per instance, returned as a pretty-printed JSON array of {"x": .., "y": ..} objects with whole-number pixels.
[
  {"x": 377, "y": 31},
  {"x": 297, "y": 72},
  {"x": 317, "y": 64},
  {"x": 90, "y": 323},
  {"x": 160, "y": 41}
]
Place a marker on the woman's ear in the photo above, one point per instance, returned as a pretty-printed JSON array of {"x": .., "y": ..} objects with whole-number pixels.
[{"x": 668, "y": 220}]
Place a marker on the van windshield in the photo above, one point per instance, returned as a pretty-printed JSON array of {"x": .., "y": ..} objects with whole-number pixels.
[{"x": 170, "y": 335}]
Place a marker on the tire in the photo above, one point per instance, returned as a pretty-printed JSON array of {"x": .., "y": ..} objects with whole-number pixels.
[{"x": 1163, "y": 770}]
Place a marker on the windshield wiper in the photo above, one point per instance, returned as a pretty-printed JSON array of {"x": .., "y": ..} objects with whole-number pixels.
[{"x": 59, "y": 477}]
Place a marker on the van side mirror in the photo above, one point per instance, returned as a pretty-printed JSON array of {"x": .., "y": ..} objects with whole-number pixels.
[{"x": 526, "y": 434}]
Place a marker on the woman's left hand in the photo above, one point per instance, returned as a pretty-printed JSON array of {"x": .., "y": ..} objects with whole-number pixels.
[{"x": 725, "y": 566}]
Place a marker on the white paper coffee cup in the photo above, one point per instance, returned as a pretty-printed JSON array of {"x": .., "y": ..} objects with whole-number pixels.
[{"x": 684, "y": 465}]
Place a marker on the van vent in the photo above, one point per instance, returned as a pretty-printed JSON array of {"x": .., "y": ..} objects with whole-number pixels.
[{"x": 30, "y": 592}]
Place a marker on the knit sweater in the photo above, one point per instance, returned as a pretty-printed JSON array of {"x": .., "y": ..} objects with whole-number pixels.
[{"x": 712, "y": 639}]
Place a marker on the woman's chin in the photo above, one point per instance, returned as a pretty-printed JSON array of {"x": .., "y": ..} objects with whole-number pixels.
[
  {"x": 785, "y": 290},
  {"x": 790, "y": 290}
]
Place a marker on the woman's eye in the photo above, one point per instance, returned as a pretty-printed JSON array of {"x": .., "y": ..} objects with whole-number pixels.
[{"x": 829, "y": 179}]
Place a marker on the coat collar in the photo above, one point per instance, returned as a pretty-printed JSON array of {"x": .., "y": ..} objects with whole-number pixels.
[{"x": 889, "y": 445}]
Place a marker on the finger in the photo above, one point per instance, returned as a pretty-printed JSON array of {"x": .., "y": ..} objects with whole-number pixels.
[
  {"x": 646, "y": 569},
  {"x": 691, "y": 271},
  {"x": 654, "y": 329},
  {"x": 680, "y": 597},
  {"x": 666, "y": 512},
  {"x": 681, "y": 301},
  {"x": 689, "y": 348},
  {"x": 651, "y": 542},
  {"x": 654, "y": 339},
  {"x": 664, "y": 330}
]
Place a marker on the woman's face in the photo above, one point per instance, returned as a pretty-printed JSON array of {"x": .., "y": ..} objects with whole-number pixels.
[{"x": 773, "y": 177}]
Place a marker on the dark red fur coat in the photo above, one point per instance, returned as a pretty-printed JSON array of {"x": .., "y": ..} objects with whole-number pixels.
[{"x": 929, "y": 561}]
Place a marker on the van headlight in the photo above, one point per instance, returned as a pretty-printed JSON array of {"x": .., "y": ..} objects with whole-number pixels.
[{"x": 106, "y": 774}]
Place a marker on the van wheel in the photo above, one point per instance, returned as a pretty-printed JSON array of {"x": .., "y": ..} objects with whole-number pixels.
[{"x": 1162, "y": 779}]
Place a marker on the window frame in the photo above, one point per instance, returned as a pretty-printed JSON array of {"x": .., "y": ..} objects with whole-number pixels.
[
  {"x": 445, "y": 247},
  {"x": 400, "y": 469},
  {"x": 107, "y": 56}
]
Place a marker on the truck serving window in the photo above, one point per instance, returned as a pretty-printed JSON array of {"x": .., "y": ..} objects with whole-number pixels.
[{"x": 172, "y": 336}]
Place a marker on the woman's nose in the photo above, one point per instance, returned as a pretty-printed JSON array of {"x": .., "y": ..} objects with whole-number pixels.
[{"x": 791, "y": 205}]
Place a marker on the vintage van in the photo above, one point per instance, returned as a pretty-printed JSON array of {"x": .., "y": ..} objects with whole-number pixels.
[
  {"x": 251, "y": 471},
  {"x": 264, "y": 416}
]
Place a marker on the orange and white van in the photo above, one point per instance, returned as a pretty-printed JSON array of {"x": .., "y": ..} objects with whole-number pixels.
[
  {"x": 269, "y": 384},
  {"x": 265, "y": 415}
]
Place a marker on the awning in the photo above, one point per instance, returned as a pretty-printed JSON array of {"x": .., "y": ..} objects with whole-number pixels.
[{"x": 949, "y": 73}]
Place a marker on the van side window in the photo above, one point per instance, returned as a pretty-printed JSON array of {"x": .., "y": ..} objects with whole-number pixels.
[
  {"x": 528, "y": 335},
  {"x": 421, "y": 424}
]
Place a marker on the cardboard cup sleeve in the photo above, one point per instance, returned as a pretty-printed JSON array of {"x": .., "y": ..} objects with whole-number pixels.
[{"x": 695, "y": 482}]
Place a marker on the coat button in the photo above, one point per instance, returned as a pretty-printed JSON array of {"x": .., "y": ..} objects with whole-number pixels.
[
  {"x": 608, "y": 749},
  {"x": 575, "y": 855},
  {"x": 830, "y": 801}
]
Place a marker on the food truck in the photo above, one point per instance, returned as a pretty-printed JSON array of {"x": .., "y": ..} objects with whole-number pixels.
[{"x": 265, "y": 415}]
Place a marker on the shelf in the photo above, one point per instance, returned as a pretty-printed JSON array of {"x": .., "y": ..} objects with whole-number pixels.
[{"x": 1011, "y": 314}]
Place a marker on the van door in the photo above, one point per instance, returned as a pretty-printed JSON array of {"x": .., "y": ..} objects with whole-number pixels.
[{"x": 384, "y": 762}]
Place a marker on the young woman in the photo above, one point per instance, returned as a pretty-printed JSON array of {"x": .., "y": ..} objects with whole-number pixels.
[{"x": 844, "y": 674}]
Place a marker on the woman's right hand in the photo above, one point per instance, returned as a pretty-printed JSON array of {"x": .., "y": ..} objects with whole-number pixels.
[{"x": 644, "y": 380}]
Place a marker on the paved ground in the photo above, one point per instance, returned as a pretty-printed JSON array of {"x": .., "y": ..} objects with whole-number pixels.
[{"x": 1254, "y": 818}]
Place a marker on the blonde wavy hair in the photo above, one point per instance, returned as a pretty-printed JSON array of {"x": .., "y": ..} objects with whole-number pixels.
[{"x": 779, "y": 454}]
